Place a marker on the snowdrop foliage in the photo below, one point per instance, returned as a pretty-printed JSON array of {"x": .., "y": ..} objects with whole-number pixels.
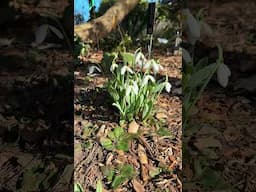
[
  {"x": 186, "y": 56},
  {"x": 134, "y": 93},
  {"x": 196, "y": 76}
]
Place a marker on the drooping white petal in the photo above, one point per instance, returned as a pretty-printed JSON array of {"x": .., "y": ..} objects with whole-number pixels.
[
  {"x": 156, "y": 67},
  {"x": 147, "y": 78},
  {"x": 128, "y": 90},
  {"x": 140, "y": 59},
  {"x": 223, "y": 74},
  {"x": 186, "y": 56},
  {"x": 93, "y": 69},
  {"x": 147, "y": 65},
  {"x": 168, "y": 87},
  {"x": 113, "y": 67},
  {"x": 135, "y": 88},
  {"x": 192, "y": 25},
  {"x": 125, "y": 69}
]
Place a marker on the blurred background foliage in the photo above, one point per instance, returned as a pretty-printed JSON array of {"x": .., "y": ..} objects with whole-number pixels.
[{"x": 131, "y": 32}]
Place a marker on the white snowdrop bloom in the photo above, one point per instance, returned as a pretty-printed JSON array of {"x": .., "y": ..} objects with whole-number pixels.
[
  {"x": 132, "y": 88},
  {"x": 192, "y": 25},
  {"x": 113, "y": 67},
  {"x": 168, "y": 87},
  {"x": 140, "y": 59},
  {"x": 156, "y": 66},
  {"x": 186, "y": 56},
  {"x": 162, "y": 40},
  {"x": 135, "y": 88},
  {"x": 128, "y": 90},
  {"x": 92, "y": 70},
  {"x": 125, "y": 69},
  {"x": 147, "y": 65},
  {"x": 223, "y": 74},
  {"x": 146, "y": 79}
]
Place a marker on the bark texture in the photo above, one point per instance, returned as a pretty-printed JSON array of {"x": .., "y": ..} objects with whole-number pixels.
[{"x": 101, "y": 26}]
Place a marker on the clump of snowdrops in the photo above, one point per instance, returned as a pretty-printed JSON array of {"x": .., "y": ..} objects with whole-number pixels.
[
  {"x": 134, "y": 87},
  {"x": 196, "y": 76}
]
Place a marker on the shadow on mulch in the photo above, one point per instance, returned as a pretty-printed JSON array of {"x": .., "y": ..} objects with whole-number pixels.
[{"x": 99, "y": 105}]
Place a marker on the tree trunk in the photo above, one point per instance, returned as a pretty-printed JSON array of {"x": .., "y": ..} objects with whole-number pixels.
[{"x": 101, "y": 26}]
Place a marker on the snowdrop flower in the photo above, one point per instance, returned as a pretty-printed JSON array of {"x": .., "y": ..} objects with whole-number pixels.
[
  {"x": 156, "y": 66},
  {"x": 113, "y": 67},
  {"x": 135, "y": 88},
  {"x": 146, "y": 79},
  {"x": 223, "y": 74},
  {"x": 128, "y": 90},
  {"x": 162, "y": 40},
  {"x": 140, "y": 59},
  {"x": 168, "y": 87},
  {"x": 92, "y": 70},
  {"x": 192, "y": 25},
  {"x": 126, "y": 69},
  {"x": 132, "y": 88},
  {"x": 147, "y": 65},
  {"x": 186, "y": 56}
]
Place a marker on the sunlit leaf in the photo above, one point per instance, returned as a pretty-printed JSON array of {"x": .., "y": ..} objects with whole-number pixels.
[
  {"x": 106, "y": 143},
  {"x": 78, "y": 187},
  {"x": 99, "y": 187}
]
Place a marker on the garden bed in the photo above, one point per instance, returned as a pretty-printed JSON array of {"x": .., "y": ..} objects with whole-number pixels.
[{"x": 96, "y": 117}]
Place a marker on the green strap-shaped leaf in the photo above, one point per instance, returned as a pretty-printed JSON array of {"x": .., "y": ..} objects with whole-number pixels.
[
  {"x": 99, "y": 187},
  {"x": 199, "y": 77}
]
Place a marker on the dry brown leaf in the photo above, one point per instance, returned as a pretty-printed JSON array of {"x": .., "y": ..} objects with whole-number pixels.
[
  {"x": 144, "y": 173},
  {"x": 206, "y": 142},
  {"x": 208, "y": 130},
  {"x": 101, "y": 131},
  {"x": 142, "y": 155},
  {"x": 133, "y": 127},
  {"x": 161, "y": 115},
  {"x": 208, "y": 116},
  {"x": 232, "y": 134},
  {"x": 137, "y": 186}
]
